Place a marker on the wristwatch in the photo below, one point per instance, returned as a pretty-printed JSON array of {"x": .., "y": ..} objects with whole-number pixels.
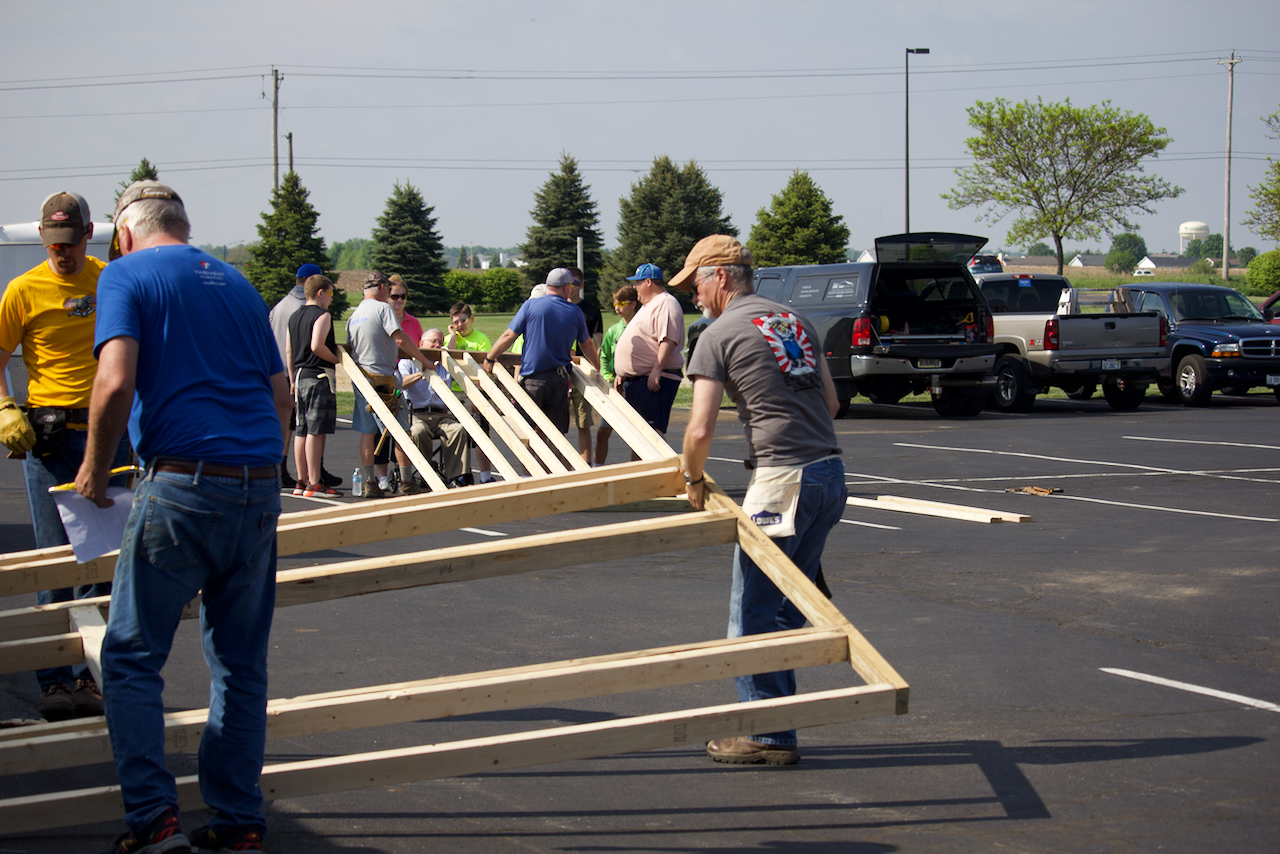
[{"x": 691, "y": 482}]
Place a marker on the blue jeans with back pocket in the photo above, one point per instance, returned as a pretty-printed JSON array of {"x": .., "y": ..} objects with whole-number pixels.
[{"x": 189, "y": 533}]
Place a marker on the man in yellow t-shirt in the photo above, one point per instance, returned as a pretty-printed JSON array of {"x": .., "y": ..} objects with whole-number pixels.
[{"x": 50, "y": 311}]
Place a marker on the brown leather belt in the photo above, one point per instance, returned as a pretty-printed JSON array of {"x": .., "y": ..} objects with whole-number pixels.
[{"x": 215, "y": 469}]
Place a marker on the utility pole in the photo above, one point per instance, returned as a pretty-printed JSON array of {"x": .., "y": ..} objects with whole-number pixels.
[
  {"x": 275, "y": 128},
  {"x": 289, "y": 136},
  {"x": 906, "y": 136},
  {"x": 1226, "y": 210}
]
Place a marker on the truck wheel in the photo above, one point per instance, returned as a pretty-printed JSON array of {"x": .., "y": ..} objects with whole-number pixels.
[
  {"x": 1085, "y": 392},
  {"x": 1193, "y": 381},
  {"x": 1124, "y": 395},
  {"x": 953, "y": 403},
  {"x": 1168, "y": 390},
  {"x": 1011, "y": 386},
  {"x": 844, "y": 407}
]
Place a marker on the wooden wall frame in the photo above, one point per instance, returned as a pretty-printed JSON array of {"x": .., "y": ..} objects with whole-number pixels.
[{"x": 559, "y": 482}]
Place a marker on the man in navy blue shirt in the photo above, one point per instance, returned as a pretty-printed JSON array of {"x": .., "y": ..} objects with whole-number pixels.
[{"x": 551, "y": 325}]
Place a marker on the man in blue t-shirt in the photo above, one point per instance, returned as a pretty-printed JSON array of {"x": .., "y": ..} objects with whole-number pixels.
[
  {"x": 208, "y": 421},
  {"x": 551, "y": 325}
]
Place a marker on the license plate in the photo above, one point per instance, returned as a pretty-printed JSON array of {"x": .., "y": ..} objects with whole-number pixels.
[
  {"x": 1273, "y": 379},
  {"x": 929, "y": 363},
  {"x": 1110, "y": 364}
]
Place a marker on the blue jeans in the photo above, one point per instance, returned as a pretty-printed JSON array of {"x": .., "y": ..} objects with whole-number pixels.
[
  {"x": 40, "y": 473},
  {"x": 187, "y": 533},
  {"x": 757, "y": 606}
]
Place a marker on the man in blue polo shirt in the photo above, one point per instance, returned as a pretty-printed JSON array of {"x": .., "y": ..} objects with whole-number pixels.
[
  {"x": 551, "y": 325},
  {"x": 208, "y": 422}
]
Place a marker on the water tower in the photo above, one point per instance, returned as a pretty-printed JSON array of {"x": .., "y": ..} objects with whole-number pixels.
[{"x": 1189, "y": 231}]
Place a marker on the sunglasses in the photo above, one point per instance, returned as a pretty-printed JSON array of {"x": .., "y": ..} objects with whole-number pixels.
[
  {"x": 399, "y": 296},
  {"x": 622, "y": 305}
]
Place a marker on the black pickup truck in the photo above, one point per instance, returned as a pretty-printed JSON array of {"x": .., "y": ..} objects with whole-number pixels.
[
  {"x": 1218, "y": 339},
  {"x": 912, "y": 321}
]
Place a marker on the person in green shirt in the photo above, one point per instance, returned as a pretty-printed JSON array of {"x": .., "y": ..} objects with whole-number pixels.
[
  {"x": 625, "y": 304},
  {"x": 463, "y": 335}
]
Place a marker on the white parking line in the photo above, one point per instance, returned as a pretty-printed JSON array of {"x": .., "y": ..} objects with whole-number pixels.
[
  {"x": 1202, "y": 442},
  {"x": 870, "y": 525},
  {"x": 1195, "y": 689},
  {"x": 1134, "y": 466},
  {"x": 483, "y": 531}
]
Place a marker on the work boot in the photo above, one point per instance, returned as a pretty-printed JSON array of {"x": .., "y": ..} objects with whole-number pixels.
[
  {"x": 56, "y": 702},
  {"x": 87, "y": 698}
]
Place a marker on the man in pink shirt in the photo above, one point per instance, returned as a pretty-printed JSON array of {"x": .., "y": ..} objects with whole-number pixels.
[{"x": 648, "y": 361}]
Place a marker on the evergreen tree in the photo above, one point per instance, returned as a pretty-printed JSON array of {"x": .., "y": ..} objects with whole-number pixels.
[
  {"x": 563, "y": 211},
  {"x": 406, "y": 242},
  {"x": 144, "y": 171},
  {"x": 464, "y": 258},
  {"x": 669, "y": 209},
  {"x": 798, "y": 227},
  {"x": 287, "y": 239}
]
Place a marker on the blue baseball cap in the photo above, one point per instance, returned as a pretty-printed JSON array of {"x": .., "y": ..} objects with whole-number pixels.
[
  {"x": 646, "y": 271},
  {"x": 306, "y": 271}
]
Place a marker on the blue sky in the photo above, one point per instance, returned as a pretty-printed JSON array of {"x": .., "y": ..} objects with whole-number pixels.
[{"x": 474, "y": 102}]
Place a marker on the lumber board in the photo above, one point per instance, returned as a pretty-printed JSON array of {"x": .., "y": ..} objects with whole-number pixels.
[
  {"x": 684, "y": 728},
  {"x": 487, "y": 408},
  {"x": 299, "y": 533},
  {"x": 968, "y": 515},
  {"x": 389, "y": 421},
  {"x": 585, "y": 377},
  {"x": 470, "y": 375},
  {"x": 494, "y": 558},
  {"x": 539, "y": 419},
  {"x": 941, "y": 505},
  {"x": 87, "y": 620},
  {"x": 443, "y": 697},
  {"x": 19, "y": 656},
  {"x": 869, "y": 664}
]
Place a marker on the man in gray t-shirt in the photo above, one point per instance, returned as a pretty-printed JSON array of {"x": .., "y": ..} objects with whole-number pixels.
[
  {"x": 769, "y": 360},
  {"x": 374, "y": 338}
]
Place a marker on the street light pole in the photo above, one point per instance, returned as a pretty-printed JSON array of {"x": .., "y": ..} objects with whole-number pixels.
[{"x": 906, "y": 137}]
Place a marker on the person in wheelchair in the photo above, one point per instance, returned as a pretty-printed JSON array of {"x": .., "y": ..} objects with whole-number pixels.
[{"x": 430, "y": 418}]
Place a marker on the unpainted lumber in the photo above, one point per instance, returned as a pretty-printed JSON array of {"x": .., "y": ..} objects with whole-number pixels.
[
  {"x": 88, "y": 622},
  {"x": 687, "y": 728},
  {"x": 961, "y": 515},
  {"x": 519, "y": 498},
  {"x": 487, "y": 408},
  {"x": 389, "y": 421},
  {"x": 539, "y": 419},
  {"x": 869, "y": 664},
  {"x": 962, "y": 508},
  {"x": 448, "y": 696}
]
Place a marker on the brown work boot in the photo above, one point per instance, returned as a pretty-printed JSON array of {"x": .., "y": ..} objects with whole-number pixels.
[
  {"x": 56, "y": 703},
  {"x": 372, "y": 490},
  {"x": 746, "y": 751},
  {"x": 87, "y": 698},
  {"x": 408, "y": 487}
]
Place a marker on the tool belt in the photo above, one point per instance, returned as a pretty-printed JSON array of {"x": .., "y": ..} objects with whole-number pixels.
[
  {"x": 51, "y": 424},
  {"x": 387, "y": 389}
]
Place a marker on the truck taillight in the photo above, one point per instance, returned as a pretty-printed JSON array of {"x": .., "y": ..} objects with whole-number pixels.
[
  {"x": 1051, "y": 334},
  {"x": 1164, "y": 331},
  {"x": 991, "y": 329},
  {"x": 861, "y": 332}
]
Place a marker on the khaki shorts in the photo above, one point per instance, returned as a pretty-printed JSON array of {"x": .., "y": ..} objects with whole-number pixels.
[{"x": 580, "y": 412}]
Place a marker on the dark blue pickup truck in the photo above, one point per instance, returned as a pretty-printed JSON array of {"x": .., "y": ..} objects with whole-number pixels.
[{"x": 1218, "y": 339}]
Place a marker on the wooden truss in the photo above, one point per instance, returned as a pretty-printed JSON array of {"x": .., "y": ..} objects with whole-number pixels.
[{"x": 557, "y": 482}]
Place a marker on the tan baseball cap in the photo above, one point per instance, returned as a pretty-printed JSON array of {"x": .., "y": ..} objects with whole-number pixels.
[
  {"x": 714, "y": 251},
  {"x": 62, "y": 218}
]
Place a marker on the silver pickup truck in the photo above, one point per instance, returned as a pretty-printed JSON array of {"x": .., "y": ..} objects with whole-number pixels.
[{"x": 1048, "y": 338}]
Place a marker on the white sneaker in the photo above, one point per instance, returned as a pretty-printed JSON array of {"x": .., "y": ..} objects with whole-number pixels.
[{"x": 384, "y": 483}]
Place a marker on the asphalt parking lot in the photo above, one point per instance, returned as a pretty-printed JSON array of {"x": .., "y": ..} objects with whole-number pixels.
[{"x": 1157, "y": 558}]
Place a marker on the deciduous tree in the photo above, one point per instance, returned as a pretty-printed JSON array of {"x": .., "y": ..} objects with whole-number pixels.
[
  {"x": 1068, "y": 172},
  {"x": 799, "y": 227},
  {"x": 670, "y": 208},
  {"x": 563, "y": 211},
  {"x": 1131, "y": 243},
  {"x": 351, "y": 254},
  {"x": 287, "y": 239},
  {"x": 1264, "y": 219},
  {"x": 405, "y": 242}
]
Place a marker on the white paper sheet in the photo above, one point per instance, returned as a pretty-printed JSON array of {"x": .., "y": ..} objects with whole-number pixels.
[{"x": 94, "y": 530}]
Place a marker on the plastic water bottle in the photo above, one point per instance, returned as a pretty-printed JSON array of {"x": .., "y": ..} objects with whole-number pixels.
[{"x": 357, "y": 483}]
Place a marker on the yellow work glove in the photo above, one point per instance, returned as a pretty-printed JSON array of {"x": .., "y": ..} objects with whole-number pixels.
[{"x": 15, "y": 429}]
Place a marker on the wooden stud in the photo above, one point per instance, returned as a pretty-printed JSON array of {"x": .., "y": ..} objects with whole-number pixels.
[{"x": 88, "y": 622}]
